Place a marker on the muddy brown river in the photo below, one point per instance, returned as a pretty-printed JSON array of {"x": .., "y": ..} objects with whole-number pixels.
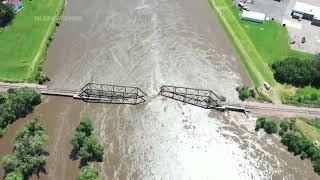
[{"x": 150, "y": 43}]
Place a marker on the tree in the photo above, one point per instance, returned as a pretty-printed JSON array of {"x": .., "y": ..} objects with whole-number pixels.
[
  {"x": 2, "y": 99},
  {"x": 298, "y": 72},
  {"x": 88, "y": 173},
  {"x": 10, "y": 163},
  {"x": 316, "y": 166},
  {"x": 270, "y": 127},
  {"x": 85, "y": 126},
  {"x": 260, "y": 123},
  {"x": 83, "y": 130},
  {"x": 23, "y": 100},
  {"x": 18, "y": 103},
  {"x": 29, "y": 156},
  {"x": 91, "y": 150},
  {"x": 78, "y": 140},
  {"x": 6, "y": 14},
  {"x": 15, "y": 175}
]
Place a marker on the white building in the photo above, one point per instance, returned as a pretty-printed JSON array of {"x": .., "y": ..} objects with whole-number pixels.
[{"x": 253, "y": 16}]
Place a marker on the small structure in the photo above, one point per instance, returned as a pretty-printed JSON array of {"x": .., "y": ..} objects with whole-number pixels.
[
  {"x": 253, "y": 16},
  {"x": 306, "y": 10},
  {"x": 16, "y": 5}
]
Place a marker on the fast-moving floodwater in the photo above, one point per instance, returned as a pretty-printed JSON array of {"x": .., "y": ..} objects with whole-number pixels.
[{"x": 150, "y": 43}]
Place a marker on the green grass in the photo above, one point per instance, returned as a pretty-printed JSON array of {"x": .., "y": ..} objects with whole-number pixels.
[
  {"x": 308, "y": 130},
  {"x": 307, "y": 96},
  {"x": 265, "y": 43},
  {"x": 25, "y": 37}
]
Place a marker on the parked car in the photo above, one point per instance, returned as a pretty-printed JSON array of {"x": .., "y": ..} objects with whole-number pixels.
[
  {"x": 303, "y": 40},
  {"x": 267, "y": 86},
  {"x": 246, "y": 8}
]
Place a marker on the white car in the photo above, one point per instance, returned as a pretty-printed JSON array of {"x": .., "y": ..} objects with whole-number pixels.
[{"x": 267, "y": 86}]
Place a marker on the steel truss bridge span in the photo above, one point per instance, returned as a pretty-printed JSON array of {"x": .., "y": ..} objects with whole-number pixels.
[
  {"x": 199, "y": 97},
  {"x": 112, "y": 94}
]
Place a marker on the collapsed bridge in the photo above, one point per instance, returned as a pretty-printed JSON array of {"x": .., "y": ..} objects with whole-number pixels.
[{"x": 114, "y": 94}]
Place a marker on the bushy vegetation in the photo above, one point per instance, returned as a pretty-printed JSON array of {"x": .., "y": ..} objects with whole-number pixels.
[
  {"x": 17, "y": 104},
  {"x": 6, "y": 14},
  {"x": 300, "y": 145},
  {"x": 307, "y": 96},
  {"x": 245, "y": 92},
  {"x": 298, "y": 72},
  {"x": 88, "y": 173},
  {"x": 267, "y": 124},
  {"x": 85, "y": 145},
  {"x": 41, "y": 78},
  {"x": 29, "y": 156}
]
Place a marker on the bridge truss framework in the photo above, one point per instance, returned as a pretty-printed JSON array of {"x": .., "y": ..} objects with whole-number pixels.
[
  {"x": 112, "y": 94},
  {"x": 199, "y": 97}
]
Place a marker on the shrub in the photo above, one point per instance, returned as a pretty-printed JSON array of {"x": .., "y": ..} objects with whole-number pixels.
[
  {"x": 2, "y": 99},
  {"x": 303, "y": 155},
  {"x": 2, "y": 132},
  {"x": 88, "y": 173},
  {"x": 316, "y": 166},
  {"x": 243, "y": 92},
  {"x": 6, "y": 14},
  {"x": 41, "y": 79},
  {"x": 268, "y": 125},
  {"x": 15, "y": 175},
  {"x": 252, "y": 93}
]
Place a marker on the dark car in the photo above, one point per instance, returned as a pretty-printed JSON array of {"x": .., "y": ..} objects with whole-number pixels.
[{"x": 303, "y": 40}]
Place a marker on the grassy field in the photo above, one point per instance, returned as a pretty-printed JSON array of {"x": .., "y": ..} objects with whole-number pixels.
[
  {"x": 24, "y": 42},
  {"x": 308, "y": 130}
]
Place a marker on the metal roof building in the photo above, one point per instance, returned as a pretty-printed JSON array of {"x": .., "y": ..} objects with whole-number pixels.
[{"x": 253, "y": 16}]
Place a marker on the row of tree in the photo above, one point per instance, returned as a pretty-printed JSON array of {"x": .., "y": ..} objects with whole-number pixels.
[
  {"x": 88, "y": 148},
  {"x": 298, "y": 72},
  {"x": 6, "y": 14},
  {"x": 16, "y": 104},
  {"x": 28, "y": 155}
]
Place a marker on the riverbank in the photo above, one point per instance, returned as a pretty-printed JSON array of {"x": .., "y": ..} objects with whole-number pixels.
[
  {"x": 255, "y": 44},
  {"x": 27, "y": 39}
]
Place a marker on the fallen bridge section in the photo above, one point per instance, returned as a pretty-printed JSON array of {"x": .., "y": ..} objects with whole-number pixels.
[{"x": 199, "y": 97}]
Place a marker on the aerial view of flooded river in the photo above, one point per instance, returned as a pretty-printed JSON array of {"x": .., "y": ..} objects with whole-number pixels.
[{"x": 150, "y": 43}]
